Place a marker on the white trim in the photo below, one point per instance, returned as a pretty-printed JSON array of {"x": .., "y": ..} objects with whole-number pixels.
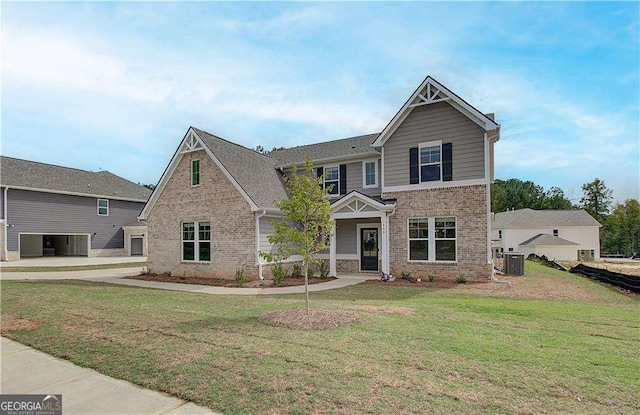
[
  {"x": 435, "y": 143},
  {"x": 99, "y": 207},
  {"x": 173, "y": 164},
  {"x": 434, "y": 185},
  {"x": 431, "y": 240},
  {"x": 357, "y": 215},
  {"x": 354, "y": 194},
  {"x": 487, "y": 155},
  {"x": 364, "y": 174},
  {"x": 360, "y": 226},
  {"x": 382, "y": 169},
  {"x": 333, "y": 267},
  {"x": 63, "y": 192},
  {"x": 5, "y": 250},
  {"x": 258, "y": 216},
  {"x": 458, "y": 103}
]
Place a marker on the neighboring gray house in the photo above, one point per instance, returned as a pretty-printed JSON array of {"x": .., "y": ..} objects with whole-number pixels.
[
  {"x": 412, "y": 198},
  {"x": 558, "y": 234},
  {"x": 53, "y": 210}
]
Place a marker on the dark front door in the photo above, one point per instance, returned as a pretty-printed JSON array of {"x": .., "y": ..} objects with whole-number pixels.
[{"x": 369, "y": 249}]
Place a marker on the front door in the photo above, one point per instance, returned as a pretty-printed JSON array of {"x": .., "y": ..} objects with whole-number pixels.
[{"x": 369, "y": 249}]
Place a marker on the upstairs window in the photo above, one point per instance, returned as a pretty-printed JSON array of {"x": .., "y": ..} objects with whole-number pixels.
[
  {"x": 195, "y": 172},
  {"x": 430, "y": 163},
  {"x": 332, "y": 179},
  {"x": 370, "y": 174},
  {"x": 103, "y": 207},
  {"x": 555, "y": 232},
  {"x": 499, "y": 234}
]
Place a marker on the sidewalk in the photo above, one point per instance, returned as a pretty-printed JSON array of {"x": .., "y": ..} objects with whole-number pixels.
[
  {"x": 69, "y": 261},
  {"x": 116, "y": 276},
  {"x": 84, "y": 391}
]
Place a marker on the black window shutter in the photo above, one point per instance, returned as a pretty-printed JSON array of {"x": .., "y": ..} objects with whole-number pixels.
[
  {"x": 447, "y": 162},
  {"x": 414, "y": 170},
  {"x": 343, "y": 179},
  {"x": 319, "y": 171}
]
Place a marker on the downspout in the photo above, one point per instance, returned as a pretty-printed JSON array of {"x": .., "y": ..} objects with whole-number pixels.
[
  {"x": 5, "y": 252},
  {"x": 259, "y": 263},
  {"x": 393, "y": 212}
]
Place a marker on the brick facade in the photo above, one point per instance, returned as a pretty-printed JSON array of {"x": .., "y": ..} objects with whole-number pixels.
[
  {"x": 215, "y": 199},
  {"x": 468, "y": 204}
]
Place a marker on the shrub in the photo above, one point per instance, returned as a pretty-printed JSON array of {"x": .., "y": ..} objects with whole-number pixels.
[
  {"x": 183, "y": 276},
  {"x": 167, "y": 273},
  {"x": 241, "y": 278},
  {"x": 431, "y": 278},
  {"x": 461, "y": 280},
  {"x": 310, "y": 272},
  {"x": 406, "y": 276},
  {"x": 297, "y": 270},
  {"x": 278, "y": 274},
  {"x": 324, "y": 271}
]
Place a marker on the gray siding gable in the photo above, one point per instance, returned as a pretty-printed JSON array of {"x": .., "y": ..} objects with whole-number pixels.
[
  {"x": 40, "y": 212},
  {"x": 439, "y": 121}
]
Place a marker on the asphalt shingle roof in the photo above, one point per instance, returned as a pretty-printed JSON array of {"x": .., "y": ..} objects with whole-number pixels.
[
  {"x": 546, "y": 239},
  {"x": 529, "y": 218},
  {"x": 33, "y": 175},
  {"x": 343, "y": 148},
  {"x": 256, "y": 173}
]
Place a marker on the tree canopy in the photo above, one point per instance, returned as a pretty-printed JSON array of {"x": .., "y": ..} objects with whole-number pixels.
[{"x": 518, "y": 194}]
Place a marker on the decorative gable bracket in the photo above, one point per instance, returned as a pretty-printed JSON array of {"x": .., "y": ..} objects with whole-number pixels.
[
  {"x": 190, "y": 144},
  {"x": 429, "y": 95}
]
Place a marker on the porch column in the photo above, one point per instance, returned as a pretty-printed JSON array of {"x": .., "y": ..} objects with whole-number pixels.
[
  {"x": 332, "y": 252},
  {"x": 384, "y": 241}
]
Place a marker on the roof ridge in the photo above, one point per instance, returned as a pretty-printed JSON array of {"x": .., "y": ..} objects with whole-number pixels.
[
  {"x": 54, "y": 165},
  {"x": 231, "y": 142},
  {"x": 324, "y": 142}
]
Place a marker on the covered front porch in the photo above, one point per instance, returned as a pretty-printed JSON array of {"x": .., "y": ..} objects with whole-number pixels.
[{"x": 360, "y": 242}]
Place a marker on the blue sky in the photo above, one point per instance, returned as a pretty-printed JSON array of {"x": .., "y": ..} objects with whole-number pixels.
[{"x": 115, "y": 86}]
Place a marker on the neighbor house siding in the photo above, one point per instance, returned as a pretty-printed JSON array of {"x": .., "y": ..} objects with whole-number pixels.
[
  {"x": 215, "y": 199},
  {"x": 266, "y": 230},
  {"x": 435, "y": 122},
  {"x": 39, "y": 212},
  {"x": 587, "y": 237}
]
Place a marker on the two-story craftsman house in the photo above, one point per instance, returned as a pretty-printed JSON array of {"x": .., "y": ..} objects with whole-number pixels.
[{"x": 412, "y": 198}]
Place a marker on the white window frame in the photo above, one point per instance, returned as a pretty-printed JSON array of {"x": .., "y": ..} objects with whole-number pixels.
[
  {"x": 102, "y": 207},
  {"x": 196, "y": 241},
  {"x": 431, "y": 244},
  {"x": 191, "y": 177},
  {"x": 324, "y": 180},
  {"x": 428, "y": 239},
  {"x": 454, "y": 239},
  {"x": 426, "y": 144},
  {"x": 364, "y": 174}
]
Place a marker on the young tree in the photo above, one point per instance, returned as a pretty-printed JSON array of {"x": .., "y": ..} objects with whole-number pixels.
[
  {"x": 596, "y": 199},
  {"x": 305, "y": 226}
]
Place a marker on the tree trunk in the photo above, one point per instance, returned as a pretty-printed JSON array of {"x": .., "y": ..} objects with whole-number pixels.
[{"x": 306, "y": 285}]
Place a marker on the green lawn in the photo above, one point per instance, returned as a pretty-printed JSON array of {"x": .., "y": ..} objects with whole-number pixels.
[
  {"x": 471, "y": 349},
  {"x": 74, "y": 267}
]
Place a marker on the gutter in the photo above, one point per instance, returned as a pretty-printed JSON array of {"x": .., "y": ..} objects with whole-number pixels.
[
  {"x": 258, "y": 216},
  {"x": 5, "y": 251}
]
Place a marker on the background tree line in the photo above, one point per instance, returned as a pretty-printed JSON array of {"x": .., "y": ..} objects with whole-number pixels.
[{"x": 620, "y": 232}]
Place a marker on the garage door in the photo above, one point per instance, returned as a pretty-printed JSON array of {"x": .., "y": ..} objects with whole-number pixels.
[{"x": 136, "y": 246}]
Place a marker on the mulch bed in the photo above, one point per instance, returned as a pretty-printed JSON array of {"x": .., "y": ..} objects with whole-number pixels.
[
  {"x": 316, "y": 320},
  {"x": 221, "y": 282},
  {"x": 10, "y": 323}
]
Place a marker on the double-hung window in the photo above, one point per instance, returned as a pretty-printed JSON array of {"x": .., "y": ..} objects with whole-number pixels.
[
  {"x": 103, "y": 207},
  {"x": 195, "y": 172},
  {"x": 332, "y": 179},
  {"x": 196, "y": 241},
  {"x": 430, "y": 162},
  {"x": 370, "y": 174},
  {"x": 419, "y": 239},
  {"x": 432, "y": 239}
]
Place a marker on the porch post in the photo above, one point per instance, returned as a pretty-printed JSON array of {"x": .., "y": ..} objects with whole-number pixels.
[
  {"x": 332, "y": 252},
  {"x": 384, "y": 241}
]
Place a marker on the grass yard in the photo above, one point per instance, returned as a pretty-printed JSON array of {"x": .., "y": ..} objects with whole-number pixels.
[{"x": 550, "y": 343}]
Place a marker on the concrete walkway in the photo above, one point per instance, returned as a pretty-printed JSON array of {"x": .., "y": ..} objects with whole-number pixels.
[
  {"x": 116, "y": 276},
  {"x": 84, "y": 391},
  {"x": 69, "y": 261}
]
